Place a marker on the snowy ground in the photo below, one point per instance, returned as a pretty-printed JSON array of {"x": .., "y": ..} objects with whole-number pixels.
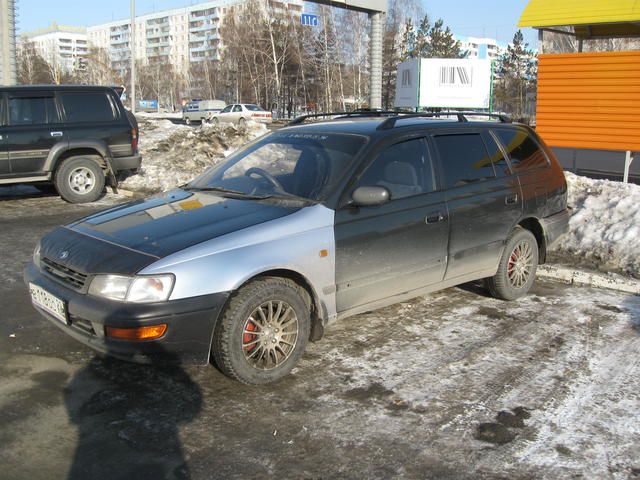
[
  {"x": 605, "y": 225},
  {"x": 173, "y": 154}
]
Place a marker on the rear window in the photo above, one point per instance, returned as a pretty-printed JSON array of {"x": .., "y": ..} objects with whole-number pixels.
[
  {"x": 254, "y": 108},
  {"x": 464, "y": 159},
  {"x": 32, "y": 111},
  {"x": 523, "y": 151},
  {"x": 87, "y": 107}
]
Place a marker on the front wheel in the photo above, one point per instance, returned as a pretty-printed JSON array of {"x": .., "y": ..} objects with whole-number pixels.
[
  {"x": 263, "y": 331},
  {"x": 517, "y": 270},
  {"x": 187, "y": 121}
]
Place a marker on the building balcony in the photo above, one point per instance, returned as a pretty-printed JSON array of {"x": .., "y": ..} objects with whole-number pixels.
[{"x": 203, "y": 28}]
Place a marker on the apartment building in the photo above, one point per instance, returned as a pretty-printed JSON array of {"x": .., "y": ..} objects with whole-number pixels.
[
  {"x": 60, "y": 45},
  {"x": 481, "y": 48},
  {"x": 180, "y": 36},
  {"x": 7, "y": 42}
]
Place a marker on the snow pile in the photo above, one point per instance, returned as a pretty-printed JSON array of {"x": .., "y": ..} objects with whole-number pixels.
[
  {"x": 604, "y": 230},
  {"x": 173, "y": 154}
]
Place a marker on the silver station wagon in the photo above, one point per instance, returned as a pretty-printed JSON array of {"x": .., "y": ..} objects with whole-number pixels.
[{"x": 311, "y": 223}]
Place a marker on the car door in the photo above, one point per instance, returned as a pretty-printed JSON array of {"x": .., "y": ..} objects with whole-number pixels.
[
  {"x": 33, "y": 129},
  {"x": 483, "y": 200},
  {"x": 236, "y": 113},
  {"x": 386, "y": 250},
  {"x": 225, "y": 114},
  {"x": 4, "y": 153}
]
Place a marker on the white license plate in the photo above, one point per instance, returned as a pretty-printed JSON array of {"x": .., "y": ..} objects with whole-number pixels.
[{"x": 50, "y": 303}]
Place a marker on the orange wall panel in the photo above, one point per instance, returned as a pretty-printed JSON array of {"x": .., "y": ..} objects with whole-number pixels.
[{"x": 589, "y": 100}]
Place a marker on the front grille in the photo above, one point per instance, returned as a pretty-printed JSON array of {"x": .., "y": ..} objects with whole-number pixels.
[{"x": 64, "y": 274}]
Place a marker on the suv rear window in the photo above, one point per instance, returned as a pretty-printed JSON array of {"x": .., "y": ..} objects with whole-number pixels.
[
  {"x": 32, "y": 111},
  {"x": 87, "y": 107},
  {"x": 464, "y": 159},
  {"x": 523, "y": 151}
]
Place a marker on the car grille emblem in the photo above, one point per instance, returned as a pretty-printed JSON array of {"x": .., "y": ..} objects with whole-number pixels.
[{"x": 64, "y": 254}]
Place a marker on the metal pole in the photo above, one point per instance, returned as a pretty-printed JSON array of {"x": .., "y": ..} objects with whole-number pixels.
[
  {"x": 132, "y": 44},
  {"x": 627, "y": 165},
  {"x": 375, "y": 81}
]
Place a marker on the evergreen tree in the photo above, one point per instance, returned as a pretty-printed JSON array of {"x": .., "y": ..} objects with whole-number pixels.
[
  {"x": 516, "y": 76},
  {"x": 431, "y": 41}
]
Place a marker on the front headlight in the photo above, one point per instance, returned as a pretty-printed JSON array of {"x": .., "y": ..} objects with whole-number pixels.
[
  {"x": 142, "y": 289},
  {"x": 36, "y": 255}
]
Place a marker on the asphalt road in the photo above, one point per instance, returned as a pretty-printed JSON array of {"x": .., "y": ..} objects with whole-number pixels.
[{"x": 454, "y": 385}]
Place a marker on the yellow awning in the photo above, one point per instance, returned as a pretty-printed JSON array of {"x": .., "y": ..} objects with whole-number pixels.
[{"x": 554, "y": 13}]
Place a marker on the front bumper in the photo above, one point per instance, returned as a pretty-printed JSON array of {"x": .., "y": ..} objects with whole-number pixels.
[
  {"x": 190, "y": 323},
  {"x": 555, "y": 226}
]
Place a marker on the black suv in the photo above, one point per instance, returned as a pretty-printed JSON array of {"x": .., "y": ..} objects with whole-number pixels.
[
  {"x": 305, "y": 225},
  {"x": 78, "y": 137}
]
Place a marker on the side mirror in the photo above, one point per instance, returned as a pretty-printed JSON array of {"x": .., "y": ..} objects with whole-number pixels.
[{"x": 370, "y": 196}]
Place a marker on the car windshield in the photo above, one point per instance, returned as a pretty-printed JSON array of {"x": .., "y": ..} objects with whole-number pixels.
[
  {"x": 304, "y": 165},
  {"x": 254, "y": 108}
]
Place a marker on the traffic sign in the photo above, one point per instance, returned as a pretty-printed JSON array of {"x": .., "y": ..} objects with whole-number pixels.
[{"x": 309, "y": 20}]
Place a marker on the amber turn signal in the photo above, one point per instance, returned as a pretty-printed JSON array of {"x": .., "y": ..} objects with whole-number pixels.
[{"x": 150, "y": 332}]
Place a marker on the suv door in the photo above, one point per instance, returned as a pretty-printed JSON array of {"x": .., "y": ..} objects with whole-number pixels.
[
  {"x": 386, "y": 250},
  {"x": 4, "y": 152},
  {"x": 34, "y": 129},
  {"x": 483, "y": 199}
]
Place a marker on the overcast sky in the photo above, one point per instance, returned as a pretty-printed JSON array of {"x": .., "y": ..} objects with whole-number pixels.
[{"x": 492, "y": 18}]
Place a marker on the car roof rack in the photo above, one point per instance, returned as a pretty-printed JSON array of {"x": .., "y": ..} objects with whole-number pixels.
[
  {"x": 355, "y": 113},
  {"x": 462, "y": 117}
]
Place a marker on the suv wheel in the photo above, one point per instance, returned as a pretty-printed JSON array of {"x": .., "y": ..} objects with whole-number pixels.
[
  {"x": 79, "y": 180},
  {"x": 263, "y": 331},
  {"x": 517, "y": 270}
]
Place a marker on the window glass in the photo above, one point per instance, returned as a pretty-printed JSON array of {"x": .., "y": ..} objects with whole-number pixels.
[
  {"x": 464, "y": 159},
  {"x": 237, "y": 108},
  {"x": 87, "y": 107},
  {"x": 405, "y": 169},
  {"x": 500, "y": 164},
  {"x": 226, "y": 109},
  {"x": 307, "y": 165},
  {"x": 523, "y": 151},
  {"x": 32, "y": 111},
  {"x": 254, "y": 108}
]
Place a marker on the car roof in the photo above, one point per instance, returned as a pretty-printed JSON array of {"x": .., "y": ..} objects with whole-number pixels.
[
  {"x": 369, "y": 125},
  {"x": 56, "y": 87}
]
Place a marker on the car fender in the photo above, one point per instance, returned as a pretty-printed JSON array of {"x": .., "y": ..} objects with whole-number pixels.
[{"x": 302, "y": 242}]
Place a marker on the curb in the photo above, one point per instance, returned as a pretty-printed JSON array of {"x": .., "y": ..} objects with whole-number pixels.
[{"x": 593, "y": 279}]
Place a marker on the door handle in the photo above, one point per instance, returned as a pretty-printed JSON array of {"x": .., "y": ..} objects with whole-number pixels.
[
  {"x": 511, "y": 199},
  {"x": 435, "y": 218},
  {"x": 56, "y": 134}
]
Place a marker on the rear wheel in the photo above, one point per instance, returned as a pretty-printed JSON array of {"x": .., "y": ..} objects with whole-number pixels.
[
  {"x": 80, "y": 179},
  {"x": 517, "y": 270},
  {"x": 263, "y": 331},
  {"x": 242, "y": 123}
]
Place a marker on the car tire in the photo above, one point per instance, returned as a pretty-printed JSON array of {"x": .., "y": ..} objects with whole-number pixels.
[
  {"x": 187, "y": 121},
  {"x": 263, "y": 331},
  {"x": 242, "y": 123},
  {"x": 216, "y": 122},
  {"x": 517, "y": 269},
  {"x": 80, "y": 179}
]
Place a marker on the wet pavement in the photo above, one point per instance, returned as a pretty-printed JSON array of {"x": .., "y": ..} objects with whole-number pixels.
[{"x": 451, "y": 385}]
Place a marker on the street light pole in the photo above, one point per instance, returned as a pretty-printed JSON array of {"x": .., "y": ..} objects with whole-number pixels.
[{"x": 132, "y": 45}]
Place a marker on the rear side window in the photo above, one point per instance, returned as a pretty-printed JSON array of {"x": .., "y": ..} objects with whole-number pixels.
[
  {"x": 500, "y": 164},
  {"x": 32, "y": 111},
  {"x": 523, "y": 151},
  {"x": 87, "y": 107},
  {"x": 253, "y": 108},
  {"x": 464, "y": 159},
  {"x": 237, "y": 108}
]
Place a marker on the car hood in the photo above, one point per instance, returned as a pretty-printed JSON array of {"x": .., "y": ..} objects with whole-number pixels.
[{"x": 124, "y": 239}]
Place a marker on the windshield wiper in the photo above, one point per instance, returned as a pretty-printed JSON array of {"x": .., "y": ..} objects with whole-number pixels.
[{"x": 227, "y": 191}]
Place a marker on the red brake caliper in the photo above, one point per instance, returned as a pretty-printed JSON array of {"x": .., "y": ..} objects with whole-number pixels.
[
  {"x": 249, "y": 337},
  {"x": 512, "y": 262}
]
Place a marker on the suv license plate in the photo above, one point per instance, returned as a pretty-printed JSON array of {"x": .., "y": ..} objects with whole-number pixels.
[{"x": 50, "y": 303}]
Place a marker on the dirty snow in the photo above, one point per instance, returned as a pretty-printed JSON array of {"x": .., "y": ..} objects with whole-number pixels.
[
  {"x": 604, "y": 229},
  {"x": 173, "y": 154}
]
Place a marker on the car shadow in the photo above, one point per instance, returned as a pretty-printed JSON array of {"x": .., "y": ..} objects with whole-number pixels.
[
  {"x": 20, "y": 191},
  {"x": 128, "y": 418},
  {"x": 632, "y": 306},
  {"x": 476, "y": 287}
]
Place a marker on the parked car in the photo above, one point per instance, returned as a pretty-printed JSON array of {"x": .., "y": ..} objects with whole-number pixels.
[
  {"x": 303, "y": 226},
  {"x": 201, "y": 110},
  {"x": 78, "y": 137},
  {"x": 241, "y": 113}
]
